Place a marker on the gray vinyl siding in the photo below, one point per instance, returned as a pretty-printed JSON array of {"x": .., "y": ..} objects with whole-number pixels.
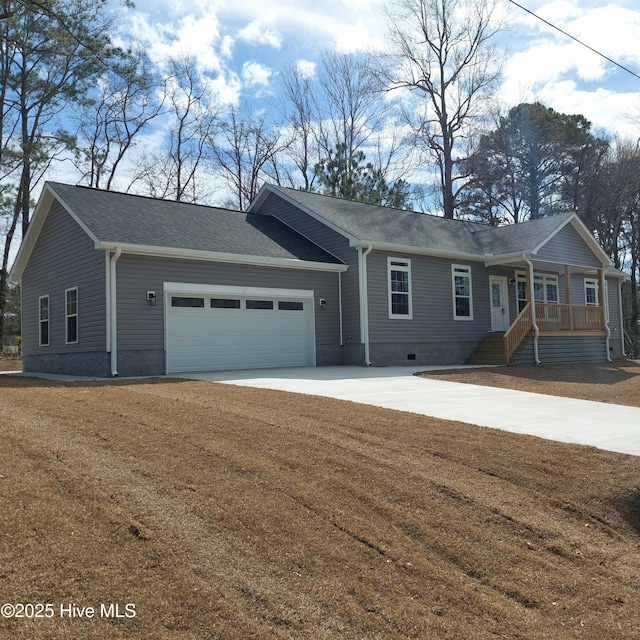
[
  {"x": 578, "y": 297},
  {"x": 141, "y": 327},
  {"x": 64, "y": 257},
  {"x": 330, "y": 241},
  {"x": 432, "y": 302},
  {"x": 567, "y": 247}
]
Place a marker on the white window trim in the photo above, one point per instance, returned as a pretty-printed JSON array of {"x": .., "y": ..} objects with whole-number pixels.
[
  {"x": 68, "y": 315},
  {"x": 464, "y": 270},
  {"x": 41, "y": 320},
  {"x": 405, "y": 265},
  {"x": 591, "y": 283},
  {"x": 545, "y": 278}
]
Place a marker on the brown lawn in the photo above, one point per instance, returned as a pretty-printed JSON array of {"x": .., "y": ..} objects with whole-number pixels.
[
  {"x": 230, "y": 512},
  {"x": 10, "y": 364},
  {"x": 617, "y": 382}
]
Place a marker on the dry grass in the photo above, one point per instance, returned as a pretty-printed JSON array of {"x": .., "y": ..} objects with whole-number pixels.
[
  {"x": 10, "y": 364},
  {"x": 617, "y": 382},
  {"x": 230, "y": 512}
]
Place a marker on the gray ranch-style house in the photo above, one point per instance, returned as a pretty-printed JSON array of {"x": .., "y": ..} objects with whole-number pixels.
[{"x": 119, "y": 284}]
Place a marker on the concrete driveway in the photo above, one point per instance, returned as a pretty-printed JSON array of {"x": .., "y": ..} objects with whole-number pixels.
[{"x": 606, "y": 426}]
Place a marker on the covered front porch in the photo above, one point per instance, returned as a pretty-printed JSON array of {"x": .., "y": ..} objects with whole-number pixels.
[
  {"x": 554, "y": 311},
  {"x": 556, "y": 295},
  {"x": 552, "y": 299}
]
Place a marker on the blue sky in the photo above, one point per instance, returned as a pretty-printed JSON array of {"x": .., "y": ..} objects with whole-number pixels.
[{"x": 247, "y": 44}]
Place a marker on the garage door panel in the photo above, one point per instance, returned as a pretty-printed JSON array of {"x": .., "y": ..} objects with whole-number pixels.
[{"x": 220, "y": 336}]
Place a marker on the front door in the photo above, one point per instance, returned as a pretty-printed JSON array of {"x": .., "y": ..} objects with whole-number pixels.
[{"x": 499, "y": 303}]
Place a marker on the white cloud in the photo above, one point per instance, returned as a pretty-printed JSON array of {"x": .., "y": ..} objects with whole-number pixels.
[
  {"x": 554, "y": 69},
  {"x": 350, "y": 38},
  {"x": 255, "y": 74},
  {"x": 257, "y": 33},
  {"x": 306, "y": 68},
  {"x": 195, "y": 36},
  {"x": 226, "y": 46},
  {"x": 246, "y": 44},
  {"x": 607, "y": 110}
]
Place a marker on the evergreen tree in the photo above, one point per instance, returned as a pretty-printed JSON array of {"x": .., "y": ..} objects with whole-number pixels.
[
  {"x": 346, "y": 176},
  {"x": 536, "y": 162}
]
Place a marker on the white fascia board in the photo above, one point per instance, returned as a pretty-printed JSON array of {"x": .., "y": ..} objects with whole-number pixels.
[
  {"x": 40, "y": 214},
  {"x": 612, "y": 272},
  {"x": 212, "y": 256},
  {"x": 79, "y": 222},
  {"x": 261, "y": 196},
  {"x": 420, "y": 251},
  {"x": 585, "y": 234},
  {"x": 215, "y": 289},
  {"x": 507, "y": 258},
  {"x": 29, "y": 240}
]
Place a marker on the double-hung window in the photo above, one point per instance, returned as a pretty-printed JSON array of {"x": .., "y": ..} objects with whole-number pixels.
[
  {"x": 545, "y": 289},
  {"x": 591, "y": 292},
  {"x": 462, "y": 292},
  {"x": 399, "y": 280},
  {"x": 43, "y": 306},
  {"x": 71, "y": 315}
]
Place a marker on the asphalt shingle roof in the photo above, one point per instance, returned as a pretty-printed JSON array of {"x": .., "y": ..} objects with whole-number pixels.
[
  {"x": 120, "y": 218},
  {"x": 375, "y": 224},
  {"x": 371, "y": 223}
]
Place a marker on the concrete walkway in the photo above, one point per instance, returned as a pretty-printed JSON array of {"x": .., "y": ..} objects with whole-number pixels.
[{"x": 606, "y": 426}]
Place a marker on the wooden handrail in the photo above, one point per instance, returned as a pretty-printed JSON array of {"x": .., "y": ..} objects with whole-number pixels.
[
  {"x": 566, "y": 317},
  {"x": 517, "y": 332},
  {"x": 552, "y": 317}
]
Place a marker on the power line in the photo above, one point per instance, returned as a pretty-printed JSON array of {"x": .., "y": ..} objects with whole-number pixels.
[{"x": 553, "y": 26}]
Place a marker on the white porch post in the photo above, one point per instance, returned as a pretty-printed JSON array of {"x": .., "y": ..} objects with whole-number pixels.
[
  {"x": 532, "y": 298},
  {"x": 604, "y": 304},
  {"x": 567, "y": 288}
]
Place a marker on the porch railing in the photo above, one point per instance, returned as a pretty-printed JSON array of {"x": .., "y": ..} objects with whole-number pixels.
[
  {"x": 517, "y": 332},
  {"x": 552, "y": 317},
  {"x": 565, "y": 317}
]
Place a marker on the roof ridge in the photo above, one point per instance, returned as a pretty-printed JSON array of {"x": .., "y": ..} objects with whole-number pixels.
[
  {"x": 566, "y": 214},
  {"x": 380, "y": 206},
  {"x": 54, "y": 183}
]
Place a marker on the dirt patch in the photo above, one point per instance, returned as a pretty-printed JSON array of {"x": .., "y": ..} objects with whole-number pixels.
[
  {"x": 10, "y": 364},
  {"x": 230, "y": 512},
  {"x": 617, "y": 382}
]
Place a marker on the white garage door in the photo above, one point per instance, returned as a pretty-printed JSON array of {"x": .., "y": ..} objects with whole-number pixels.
[{"x": 227, "y": 330}]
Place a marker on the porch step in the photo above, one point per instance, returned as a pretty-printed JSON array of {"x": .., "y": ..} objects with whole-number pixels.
[{"x": 489, "y": 351}]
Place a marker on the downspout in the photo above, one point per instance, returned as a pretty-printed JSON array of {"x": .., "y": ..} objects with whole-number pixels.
[
  {"x": 364, "y": 302},
  {"x": 536, "y": 329},
  {"x": 113, "y": 312},
  {"x": 604, "y": 300},
  {"x": 621, "y": 316},
  {"x": 340, "y": 306}
]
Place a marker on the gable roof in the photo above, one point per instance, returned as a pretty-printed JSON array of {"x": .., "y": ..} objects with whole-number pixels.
[
  {"x": 382, "y": 227},
  {"x": 372, "y": 224},
  {"x": 139, "y": 224}
]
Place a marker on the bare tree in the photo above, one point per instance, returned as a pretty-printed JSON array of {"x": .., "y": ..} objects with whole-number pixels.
[
  {"x": 334, "y": 112},
  {"x": 612, "y": 212},
  {"x": 297, "y": 105},
  {"x": 442, "y": 51},
  {"x": 122, "y": 105},
  {"x": 246, "y": 146},
  {"x": 193, "y": 111},
  {"x": 352, "y": 109}
]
